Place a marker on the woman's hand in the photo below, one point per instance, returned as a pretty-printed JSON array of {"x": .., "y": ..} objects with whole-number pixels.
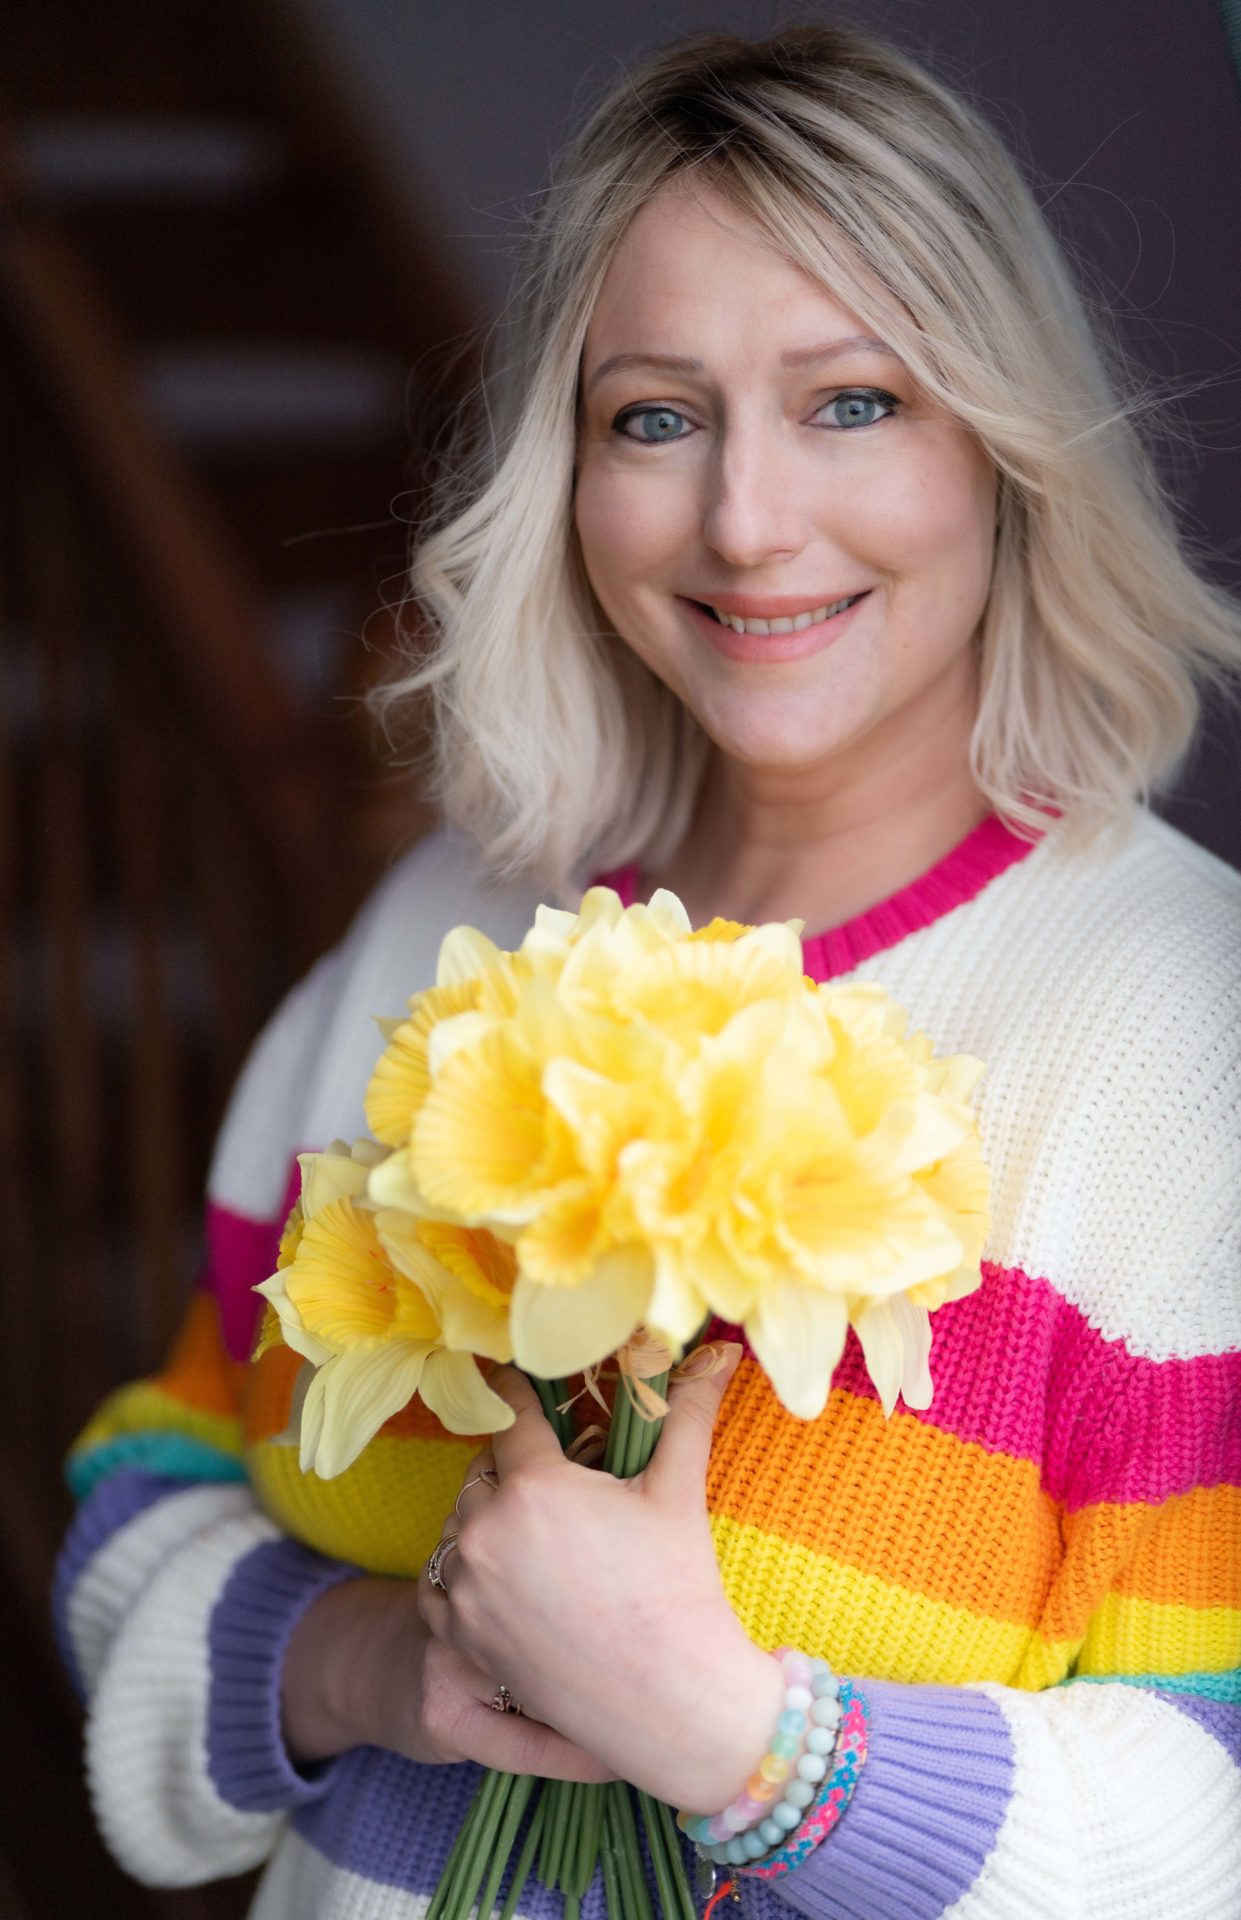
[
  {"x": 362, "y": 1669},
  {"x": 598, "y": 1602}
]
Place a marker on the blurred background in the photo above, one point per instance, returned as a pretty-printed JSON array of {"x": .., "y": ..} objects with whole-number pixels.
[{"x": 249, "y": 253}]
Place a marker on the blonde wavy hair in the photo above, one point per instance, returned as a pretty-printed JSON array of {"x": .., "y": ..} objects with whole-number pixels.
[{"x": 551, "y": 744}]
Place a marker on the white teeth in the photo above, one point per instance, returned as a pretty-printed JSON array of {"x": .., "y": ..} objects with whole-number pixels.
[{"x": 798, "y": 624}]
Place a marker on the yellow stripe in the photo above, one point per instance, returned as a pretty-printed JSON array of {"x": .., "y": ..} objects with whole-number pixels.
[
  {"x": 384, "y": 1512},
  {"x": 787, "y": 1595},
  {"x": 1131, "y": 1635},
  {"x": 144, "y": 1407}
]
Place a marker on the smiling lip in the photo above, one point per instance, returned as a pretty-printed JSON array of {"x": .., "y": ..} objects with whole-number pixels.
[
  {"x": 769, "y": 649},
  {"x": 770, "y": 606}
]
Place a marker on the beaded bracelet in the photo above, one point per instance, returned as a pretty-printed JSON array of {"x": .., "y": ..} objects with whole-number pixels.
[
  {"x": 775, "y": 1799},
  {"x": 834, "y": 1796}
]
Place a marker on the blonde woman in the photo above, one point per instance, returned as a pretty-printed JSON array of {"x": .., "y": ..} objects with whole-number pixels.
[{"x": 805, "y": 563}]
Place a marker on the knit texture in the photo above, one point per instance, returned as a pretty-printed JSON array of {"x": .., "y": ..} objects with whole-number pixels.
[{"x": 1036, "y": 1582}]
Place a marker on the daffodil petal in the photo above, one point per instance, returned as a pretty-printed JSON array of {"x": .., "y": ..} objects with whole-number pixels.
[
  {"x": 352, "y": 1397},
  {"x": 459, "y": 1397},
  {"x": 464, "y": 954},
  {"x": 798, "y": 1334},
  {"x": 295, "y": 1334},
  {"x": 392, "y": 1184},
  {"x": 327, "y": 1177},
  {"x": 560, "y": 1330},
  {"x": 895, "y": 1336}
]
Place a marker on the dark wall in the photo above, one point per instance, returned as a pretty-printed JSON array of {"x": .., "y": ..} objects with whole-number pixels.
[{"x": 1126, "y": 114}]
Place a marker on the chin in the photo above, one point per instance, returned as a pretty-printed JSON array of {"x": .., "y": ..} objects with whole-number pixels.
[{"x": 787, "y": 742}]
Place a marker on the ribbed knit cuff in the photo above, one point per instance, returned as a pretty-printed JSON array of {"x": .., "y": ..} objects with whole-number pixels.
[
  {"x": 251, "y": 1626},
  {"x": 928, "y": 1807},
  {"x": 112, "y": 1505}
]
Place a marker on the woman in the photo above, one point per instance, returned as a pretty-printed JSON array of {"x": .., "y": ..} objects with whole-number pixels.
[{"x": 810, "y": 568}]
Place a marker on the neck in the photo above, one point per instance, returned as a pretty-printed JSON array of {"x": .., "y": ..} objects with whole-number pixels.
[{"x": 825, "y": 844}]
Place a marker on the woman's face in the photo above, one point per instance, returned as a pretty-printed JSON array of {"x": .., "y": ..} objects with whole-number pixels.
[{"x": 746, "y": 451}]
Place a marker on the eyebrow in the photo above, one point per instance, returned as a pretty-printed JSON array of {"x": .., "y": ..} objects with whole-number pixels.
[{"x": 683, "y": 363}]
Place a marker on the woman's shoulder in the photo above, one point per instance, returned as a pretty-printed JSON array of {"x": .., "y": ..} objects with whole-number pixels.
[
  {"x": 390, "y": 953},
  {"x": 305, "y": 1080},
  {"x": 1148, "y": 890}
]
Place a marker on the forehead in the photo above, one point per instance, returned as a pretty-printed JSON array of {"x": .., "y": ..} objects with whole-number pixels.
[{"x": 692, "y": 260}]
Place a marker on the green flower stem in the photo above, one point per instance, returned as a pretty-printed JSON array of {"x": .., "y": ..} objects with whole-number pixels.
[
  {"x": 622, "y": 1842},
  {"x": 518, "y": 1800},
  {"x": 611, "y": 1875},
  {"x": 685, "y": 1909},
  {"x": 553, "y": 1394},
  {"x": 442, "y": 1907},
  {"x": 572, "y": 1906},
  {"x": 525, "y": 1859},
  {"x": 555, "y": 1834},
  {"x": 587, "y": 1855},
  {"x": 478, "y": 1859},
  {"x": 660, "y": 1863}
]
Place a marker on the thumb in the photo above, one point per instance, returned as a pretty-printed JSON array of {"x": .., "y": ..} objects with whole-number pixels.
[{"x": 679, "y": 1466}]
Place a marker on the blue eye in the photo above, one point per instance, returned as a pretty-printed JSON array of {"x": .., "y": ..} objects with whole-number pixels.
[
  {"x": 861, "y": 407},
  {"x": 655, "y": 423}
]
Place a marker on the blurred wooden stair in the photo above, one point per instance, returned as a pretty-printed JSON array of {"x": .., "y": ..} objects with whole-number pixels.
[{"x": 218, "y": 319}]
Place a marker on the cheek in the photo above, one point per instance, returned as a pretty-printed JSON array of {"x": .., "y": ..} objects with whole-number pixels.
[{"x": 626, "y": 527}]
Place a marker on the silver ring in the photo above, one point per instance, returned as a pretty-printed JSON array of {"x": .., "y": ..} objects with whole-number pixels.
[
  {"x": 435, "y": 1565},
  {"x": 503, "y": 1701},
  {"x": 485, "y": 1477}
]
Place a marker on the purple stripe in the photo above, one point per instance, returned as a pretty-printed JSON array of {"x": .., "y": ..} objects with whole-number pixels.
[
  {"x": 393, "y": 1821},
  {"x": 926, "y": 1814},
  {"x": 1220, "y": 1718},
  {"x": 924, "y": 1818},
  {"x": 251, "y": 1624},
  {"x": 113, "y": 1504}
]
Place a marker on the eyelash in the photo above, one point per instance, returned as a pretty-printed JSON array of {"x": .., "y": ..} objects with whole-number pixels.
[{"x": 877, "y": 394}]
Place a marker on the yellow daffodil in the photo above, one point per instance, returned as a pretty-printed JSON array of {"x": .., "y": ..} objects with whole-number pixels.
[
  {"x": 623, "y": 1124},
  {"x": 375, "y": 1338}
]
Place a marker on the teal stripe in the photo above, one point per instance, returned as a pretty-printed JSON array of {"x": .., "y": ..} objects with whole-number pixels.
[
  {"x": 154, "y": 1452},
  {"x": 1225, "y": 1687}
]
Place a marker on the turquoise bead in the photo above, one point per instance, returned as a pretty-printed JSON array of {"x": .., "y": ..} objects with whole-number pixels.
[
  {"x": 786, "y": 1816},
  {"x": 799, "y": 1793},
  {"x": 754, "y": 1844},
  {"x": 821, "y": 1740},
  {"x": 785, "y": 1746},
  {"x": 792, "y": 1720},
  {"x": 771, "y": 1833}
]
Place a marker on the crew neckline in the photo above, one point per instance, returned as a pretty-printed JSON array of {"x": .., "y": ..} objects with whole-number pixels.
[{"x": 987, "y": 851}]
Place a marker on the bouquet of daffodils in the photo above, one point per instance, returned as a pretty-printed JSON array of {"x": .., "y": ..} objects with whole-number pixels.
[{"x": 588, "y": 1149}]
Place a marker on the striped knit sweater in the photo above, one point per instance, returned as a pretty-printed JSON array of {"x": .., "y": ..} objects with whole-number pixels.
[{"x": 1037, "y": 1582}]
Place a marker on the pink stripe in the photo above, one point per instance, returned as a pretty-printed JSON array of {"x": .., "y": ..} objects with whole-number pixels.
[
  {"x": 1018, "y": 1370},
  {"x": 985, "y": 853},
  {"x": 240, "y": 1253}
]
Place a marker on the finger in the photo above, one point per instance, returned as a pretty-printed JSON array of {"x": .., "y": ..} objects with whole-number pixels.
[
  {"x": 679, "y": 1467},
  {"x": 511, "y": 1743},
  {"x": 530, "y": 1441},
  {"x": 478, "y": 1483}
]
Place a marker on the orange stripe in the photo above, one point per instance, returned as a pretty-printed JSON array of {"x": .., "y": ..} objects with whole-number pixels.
[
  {"x": 872, "y": 1494},
  {"x": 1190, "y": 1556},
  {"x": 199, "y": 1371}
]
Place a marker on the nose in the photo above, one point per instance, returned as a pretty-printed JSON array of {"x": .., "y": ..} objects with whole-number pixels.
[{"x": 752, "y": 512}]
